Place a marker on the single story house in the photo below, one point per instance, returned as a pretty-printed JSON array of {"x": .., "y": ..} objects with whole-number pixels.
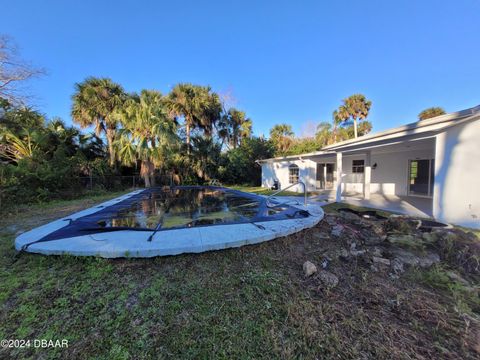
[{"x": 427, "y": 168}]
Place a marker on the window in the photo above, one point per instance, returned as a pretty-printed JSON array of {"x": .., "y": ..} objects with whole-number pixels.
[
  {"x": 358, "y": 166},
  {"x": 293, "y": 174}
]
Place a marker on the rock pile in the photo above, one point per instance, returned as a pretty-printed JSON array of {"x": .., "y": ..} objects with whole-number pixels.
[{"x": 399, "y": 242}]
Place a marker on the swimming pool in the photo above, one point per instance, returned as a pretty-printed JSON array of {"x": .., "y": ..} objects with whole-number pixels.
[{"x": 156, "y": 221}]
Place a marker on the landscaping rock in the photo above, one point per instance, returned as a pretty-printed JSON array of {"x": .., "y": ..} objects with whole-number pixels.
[
  {"x": 455, "y": 277},
  {"x": 374, "y": 240},
  {"x": 372, "y": 233},
  {"x": 378, "y": 228},
  {"x": 309, "y": 268},
  {"x": 380, "y": 260},
  {"x": 337, "y": 230},
  {"x": 357, "y": 252},
  {"x": 406, "y": 240},
  {"x": 328, "y": 279},
  {"x": 349, "y": 216},
  {"x": 377, "y": 251},
  {"x": 401, "y": 224},
  {"x": 429, "y": 260},
  {"x": 409, "y": 258},
  {"x": 397, "y": 266},
  {"x": 321, "y": 235},
  {"x": 344, "y": 254}
]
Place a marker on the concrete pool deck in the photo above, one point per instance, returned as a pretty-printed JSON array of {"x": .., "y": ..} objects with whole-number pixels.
[
  {"x": 130, "y": 243},
  {"x": 407, "y": 205}
]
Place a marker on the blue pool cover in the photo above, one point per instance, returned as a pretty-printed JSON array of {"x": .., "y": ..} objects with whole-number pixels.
[{"x": 157, "y": 209}]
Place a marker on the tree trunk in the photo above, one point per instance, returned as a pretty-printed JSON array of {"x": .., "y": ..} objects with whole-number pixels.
[
  {"x": 355, "y": 127},
  {"x": 146, "y": 171},
  {"x": 111, "y": 151},
  {"x": 146, "y": 178},
  {"x": 235, "y": 140},
  {"x": 187, "y": 130}
]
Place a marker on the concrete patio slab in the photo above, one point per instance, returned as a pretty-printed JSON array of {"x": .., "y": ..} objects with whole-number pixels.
[{"x": 407, "y": 205}]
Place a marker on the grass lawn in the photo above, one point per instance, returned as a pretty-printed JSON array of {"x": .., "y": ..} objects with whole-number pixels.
[{"x": 250, "y": 302}]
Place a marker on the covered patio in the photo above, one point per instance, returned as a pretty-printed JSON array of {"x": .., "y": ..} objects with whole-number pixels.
[
  {"x": 396, "y": 177},
  {"x": 427, "y": 168},
  {"x": 408, "y": 205}
]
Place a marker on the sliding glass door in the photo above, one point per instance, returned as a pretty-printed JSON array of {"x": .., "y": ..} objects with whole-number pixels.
[
  {"x": 421, "y": 177},
  {"x": 325, "y": 176}
]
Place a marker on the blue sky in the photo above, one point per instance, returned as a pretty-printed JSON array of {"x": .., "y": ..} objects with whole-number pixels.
[{"x": 283, "y": 61}]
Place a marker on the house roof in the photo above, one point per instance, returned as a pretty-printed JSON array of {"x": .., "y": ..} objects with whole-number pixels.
[
  {"x": 291, "y": 157},
  {"x": 420, "y": 128}
]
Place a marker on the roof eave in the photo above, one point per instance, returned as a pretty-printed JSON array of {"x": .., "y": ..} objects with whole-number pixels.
[{"x": 408, "y": 127}]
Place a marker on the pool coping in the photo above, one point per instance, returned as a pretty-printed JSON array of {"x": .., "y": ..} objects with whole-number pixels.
[{"x": 167, "y": 242}]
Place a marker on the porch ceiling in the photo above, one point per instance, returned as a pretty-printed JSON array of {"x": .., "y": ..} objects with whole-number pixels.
[
  {"x": 409, "y": 145},
  {"x": 406, "y": 145}
]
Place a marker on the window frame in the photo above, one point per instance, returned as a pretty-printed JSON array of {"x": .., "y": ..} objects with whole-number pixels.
[
  {"x": 293, "y": 173},
  {"x": 358, "y": 166}
]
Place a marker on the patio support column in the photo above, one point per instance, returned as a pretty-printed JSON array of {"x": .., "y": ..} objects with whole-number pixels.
[
  {"x": 338, "y": 196},
  {"x": 324, "y": 176},
  {"x": 367, "y": 175}
]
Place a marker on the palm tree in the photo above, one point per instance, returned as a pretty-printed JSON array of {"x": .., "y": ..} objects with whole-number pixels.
[
  {"x": 205, "y": 156},
  {"x": 339, "y": 116},
  {"x": 95, "y": 102},
  {"x": 235, "y": 126},
  {"x": 15, "y": 147},
  {"x": 364, "y": 127},
  {"x": 282, "y": 137},
  {"x": 431, "y": 112},
  {"x": 198, "y": 105},
  {"x": 16, "y": 119},
  {"x": 147, "y": 133},
  {"x": 61, "y": 134},
  {"x": 91, "y": 146},
  {"x": 355, "y": 107},
  {"x": 324, "y": 133},
  {"x": 210, "y": 110}
]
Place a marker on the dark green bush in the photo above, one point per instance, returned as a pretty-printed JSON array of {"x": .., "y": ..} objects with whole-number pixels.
[{"x": 238, "y": 166}]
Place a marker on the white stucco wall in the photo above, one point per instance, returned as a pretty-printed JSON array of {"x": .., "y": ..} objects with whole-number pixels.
[
  {"x": 457, "y": 175},
  {"x": 278, "y": 170},
  {"x": 389, "y": 178},
  {"x": 391, "y": 174}
]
